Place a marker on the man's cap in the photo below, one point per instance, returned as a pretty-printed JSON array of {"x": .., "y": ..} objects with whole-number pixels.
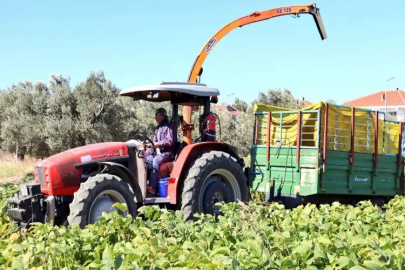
[{"x": 161, "y": 111}]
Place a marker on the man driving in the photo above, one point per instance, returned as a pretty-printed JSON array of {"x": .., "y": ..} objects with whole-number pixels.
[{"x": 163, "y": 141}]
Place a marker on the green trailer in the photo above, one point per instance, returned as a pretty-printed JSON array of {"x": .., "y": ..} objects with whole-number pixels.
[{"x": 325, "y": 153}]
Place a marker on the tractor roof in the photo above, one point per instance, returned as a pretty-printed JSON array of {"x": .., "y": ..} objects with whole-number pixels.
[{"x": 182, "y": 93}]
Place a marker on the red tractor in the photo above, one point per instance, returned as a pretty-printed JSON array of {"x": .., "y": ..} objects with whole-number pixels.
[{"x": 76, "y": 186}]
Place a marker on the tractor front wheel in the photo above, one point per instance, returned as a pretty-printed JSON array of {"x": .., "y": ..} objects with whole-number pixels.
[
  {"x": 215, "y": 177},
  {"x": 97, "y": 195}
]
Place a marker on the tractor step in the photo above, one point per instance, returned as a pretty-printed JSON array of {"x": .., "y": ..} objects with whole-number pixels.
[{"x": 151, "y": 200}]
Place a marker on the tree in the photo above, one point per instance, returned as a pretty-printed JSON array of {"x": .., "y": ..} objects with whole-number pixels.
[
  {"x": 42, "y": 120},
  {"x": 10, "y": 130},
  {"x": 61, "y": 116},
  {"x": 279, "y": 98},
  {"x": 95, "y": 98},
  {"x": 145, "y": 113},
  {"x": 391, "y": 117},
  {"x": 241, "y": 105},
  {"x": 7, "y": 99},
  {"x": 122, "y": 118},
  {"x": 237, "y": 131},
  {"x": 23, "y": 126}
]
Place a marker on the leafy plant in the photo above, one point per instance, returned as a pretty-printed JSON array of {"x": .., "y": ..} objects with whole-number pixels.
[{"x": 246, "y": 236}]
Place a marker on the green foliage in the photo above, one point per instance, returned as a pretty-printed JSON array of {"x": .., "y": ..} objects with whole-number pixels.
[
  {"x": 6, "y": 191},
  {"x": 6, "y": 100},
  {"x": 96, "y": 107},
  {"x": 237, "y": 131},
  {"x": 241, "y": 105},
  {"x": 41, "y": 120},
  {"x": 61, "y": 116},
  {"x": 145, "y": 115},
  {"x": 279, "y": 98},
  {"x": 391, "y": 117},
  {"x": 253, "y": 236},
  {"x": 332, "y": 101},
  {"x": 23, "y": 126}
]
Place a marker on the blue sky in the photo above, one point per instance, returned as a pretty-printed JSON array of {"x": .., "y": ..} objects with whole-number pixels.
[{"x": 144, "y": 42}]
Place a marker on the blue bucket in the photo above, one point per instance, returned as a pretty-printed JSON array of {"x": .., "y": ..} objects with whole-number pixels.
[{"x": 163, "y": 182}]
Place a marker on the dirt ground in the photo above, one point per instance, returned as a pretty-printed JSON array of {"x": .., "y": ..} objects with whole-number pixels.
[
  {"x": 11, "y": 179},
  {"x": 13, "y": 170}
]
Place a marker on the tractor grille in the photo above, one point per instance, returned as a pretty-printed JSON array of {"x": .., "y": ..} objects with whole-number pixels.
[{"x": 41, "y": 178}]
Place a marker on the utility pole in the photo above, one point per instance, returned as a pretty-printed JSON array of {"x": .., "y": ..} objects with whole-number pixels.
[{"x": 385, "y": 96}]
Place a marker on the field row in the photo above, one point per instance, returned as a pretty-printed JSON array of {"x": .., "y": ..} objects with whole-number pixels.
[{"x": 253, "y": 236}]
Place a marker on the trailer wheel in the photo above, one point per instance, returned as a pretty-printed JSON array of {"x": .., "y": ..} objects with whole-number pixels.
[
  {"x": 214, "y": 177},
  {"x": 377, "y": 201},
  {"x": 97, "y": 195}
]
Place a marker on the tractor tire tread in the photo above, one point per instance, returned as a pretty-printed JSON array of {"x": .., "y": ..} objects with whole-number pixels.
[
  {"x": 77, "y": 207},
  {"x": 190, "y": 188}
]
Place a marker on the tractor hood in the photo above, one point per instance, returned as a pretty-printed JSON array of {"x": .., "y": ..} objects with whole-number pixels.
[
  {"x": 59, "y": 171},
  {"x": 177, "y": 92}
]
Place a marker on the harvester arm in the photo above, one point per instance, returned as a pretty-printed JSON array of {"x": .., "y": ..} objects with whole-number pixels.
[{"x": 197, "y": 70}]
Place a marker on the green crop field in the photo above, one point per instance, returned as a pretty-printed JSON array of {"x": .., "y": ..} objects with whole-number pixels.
[{"x": 253, "y": 236}]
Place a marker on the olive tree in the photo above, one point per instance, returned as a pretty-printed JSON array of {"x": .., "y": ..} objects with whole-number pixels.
[
  {"x": 23, "y": 123},
  {"x": 61, "y": 115},
  {"x": 279, "y": 98},
  {"x": 95, "y": 102}
]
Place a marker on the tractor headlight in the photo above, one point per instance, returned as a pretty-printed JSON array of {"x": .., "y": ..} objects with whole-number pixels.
[{"x": 24, "y": 190}]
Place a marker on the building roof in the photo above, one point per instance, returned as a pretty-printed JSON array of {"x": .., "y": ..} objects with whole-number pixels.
[
  {"x": 220, "y": 106},
  {"x": 232, "y": 110},
  {"x": 306, "y": 102},
  {"x": 394, "y": 98}
]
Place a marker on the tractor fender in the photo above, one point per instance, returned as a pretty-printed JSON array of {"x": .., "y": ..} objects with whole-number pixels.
[
  {"x": 123, "y": 172},
  {"x": 187, "y": 157}
]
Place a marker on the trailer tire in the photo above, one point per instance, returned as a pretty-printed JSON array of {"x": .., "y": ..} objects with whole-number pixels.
[
  {"x": 215, "y": 176},
  {"x": 378, "y": 201},
  {"x": 97, "y": 195}
]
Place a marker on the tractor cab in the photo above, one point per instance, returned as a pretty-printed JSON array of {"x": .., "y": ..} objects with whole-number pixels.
[{"x": 184, "y": 94}]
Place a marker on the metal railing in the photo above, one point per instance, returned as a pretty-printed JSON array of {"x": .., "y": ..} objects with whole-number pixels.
[
  {"x": 284, "y": 128},
  {"x": 364, "y": 127}
]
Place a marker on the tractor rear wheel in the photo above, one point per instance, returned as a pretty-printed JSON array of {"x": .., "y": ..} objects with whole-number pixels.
[
  {"x": 214, "y": 177},
  {"x": 97, "y": 195}
]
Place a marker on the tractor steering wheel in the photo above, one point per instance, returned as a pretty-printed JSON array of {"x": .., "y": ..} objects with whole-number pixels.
[{"x": 146, "y": 140}]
